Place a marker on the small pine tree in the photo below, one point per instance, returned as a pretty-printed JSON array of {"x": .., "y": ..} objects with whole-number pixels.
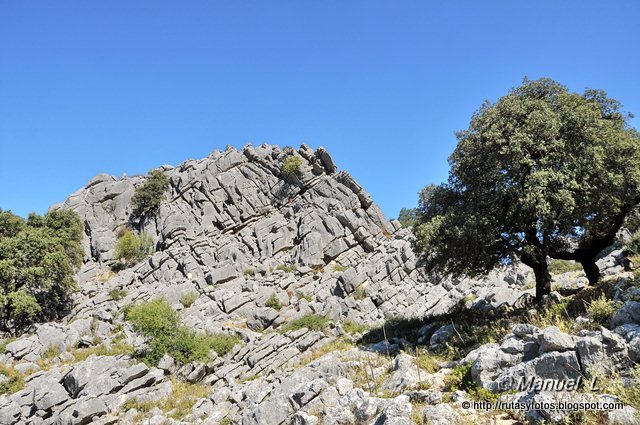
[{"x": 147, "y": 198}]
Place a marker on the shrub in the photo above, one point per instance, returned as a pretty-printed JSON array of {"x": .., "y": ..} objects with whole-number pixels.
[
  {"x": 12, "y": 382},
  {"x": 117, "y": 294},
  {"x": 189, "y": 298},
  {"x": 339, "y": 267},
  {"x": 133, "y": 247},
  {"x": 352, "y": 327},
  {"x": 634, "y": 243},
  {"x": 249, "y": 272},
  {"x": 4, "y": 343},
  {"x": 273, "y": 302},
  {"x": 160, "y": 324},
  {"x": 50, "y": 353},
  {"x": 302, "y": 296},
  {"x": 601, "y": 310},
  {"x": 155, "y": 319},
  {"x": 563, "y": 266},
  {"x": 128, "y": 246},
  {"x": 287, "y": 268},
  {"x": 148, "y": 196},
  {"x": 311, "y": 321},
  {"x": 460, "y": 379},
  {"x": 291, "y": 165}
]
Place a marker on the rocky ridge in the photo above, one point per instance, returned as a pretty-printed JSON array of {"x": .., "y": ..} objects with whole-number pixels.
[{"x": 237, "y": 232}]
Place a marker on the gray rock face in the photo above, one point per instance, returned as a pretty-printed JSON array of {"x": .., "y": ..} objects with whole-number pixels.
[
  {"x": 628, "y": 313},
  {"x": 259, "y": 249}
]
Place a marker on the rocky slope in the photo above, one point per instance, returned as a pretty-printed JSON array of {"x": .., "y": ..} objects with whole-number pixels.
[{"x": 238, "y": 234}]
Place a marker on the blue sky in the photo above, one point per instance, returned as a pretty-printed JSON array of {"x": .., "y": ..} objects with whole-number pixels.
[{"x": 122, "y": 87}]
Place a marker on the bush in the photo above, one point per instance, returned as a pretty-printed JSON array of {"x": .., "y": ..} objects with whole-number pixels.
[
  {"x": 634, "y": 243},
  {"x": 12, "y": 382},
  {"x": 337, "y": 267},
  {"x": 38, "y": 258},
  {"x": 312, "y": 322},
  {"x": 273, "y": 302},
  {"x": 189, "y": 298},
  {"x": 117, "y": 294},
  {"x": 291, "y": 165},
  {"x": 601, "y": 310},
  {"x": 287, "y": 269},
  {"x": 133, "y": 247},
  {"x": 160, "y": 324},
  {"x": 563, "y": 266},
  {"x": 148, "y": 196}
]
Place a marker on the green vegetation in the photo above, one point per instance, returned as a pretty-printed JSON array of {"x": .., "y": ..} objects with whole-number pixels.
[
  {"x": 291, "y": 165},
  {"x": 359, "y": 293},
  {"x": 50, "y": 353},
  {"x": 249, "y": 272},
  {"x": 13, "y": 381},
  {"x": 563, "y": 266},
  {"x": 189, "y": 298},
  {"x": 302, "y": 296},
  {"x": 116, "y": 348},
  {"x": 312, "y": 322},
  {"x": 178, "y": 405},
  {"x": 131, "y": 247},
  {"x": 556, "y": 166},
  {"x": 117, "y": 294},
  {"x": 160, "y": 324},
  {"x": 601, "y": 310},
  {"x": 460, "y": 379},
  {"x": 329, "y": 347},
  {"x": 149, "y": 195},
  {"x": 337, "y": 267},
  {"x": 408, "y": 216},
  {"x": 352, "y": 327},
  {"x": 287, "y": 268},
  {"x": 4, "y": 343},
  {"x": 38, "y": 257},
  {"x": 273, "y": 302},
  {"x": 634, "y": 243}
]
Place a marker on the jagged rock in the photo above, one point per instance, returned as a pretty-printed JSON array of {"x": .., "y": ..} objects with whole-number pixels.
[
  {"x": 440, "y": 414},
  {"x": 397, "y": 412},
  {"x": 628, "y": 313},
  {"x": 442, "y": 335},
  {"x": 552, "y": 339}
]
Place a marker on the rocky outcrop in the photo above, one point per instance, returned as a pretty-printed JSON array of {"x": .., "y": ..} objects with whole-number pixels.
[{"x": 257, "y": 249}]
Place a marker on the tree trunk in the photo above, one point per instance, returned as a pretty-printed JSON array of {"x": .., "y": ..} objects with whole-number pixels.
[
  {"x": 591, "y": 270},
  {"x": 543, "y": 280}
]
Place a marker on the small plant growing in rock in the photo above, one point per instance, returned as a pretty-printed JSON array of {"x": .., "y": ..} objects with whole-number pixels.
[
  {"x": 148, "y": 196},
  {"x": 352, "y": 327},
  {"x": 131, "y": 247},
  {"x": 291, "y": 165},
  {"x": 50, "y": 353},
  {"x": 273, "y": 302},
  {"x": 312, "y": 322},
  {"x": 337, "y": 267},
  {"x": 302, "y": 296},
  {"x": 189, "y": 298},
  {"x": 359, "y": 293},
  {"x": 287, "y": 268},
  {"x": 249, "y": 272},
  {"x": 117, "y": 294},
  {"x": 12, "y": 381},
  {"x": 601, "y": 310}
]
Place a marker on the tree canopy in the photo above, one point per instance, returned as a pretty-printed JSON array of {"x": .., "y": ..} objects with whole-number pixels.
[
  {"x": 37, "y": 261},
  {"x": 542, "y": 173}
]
